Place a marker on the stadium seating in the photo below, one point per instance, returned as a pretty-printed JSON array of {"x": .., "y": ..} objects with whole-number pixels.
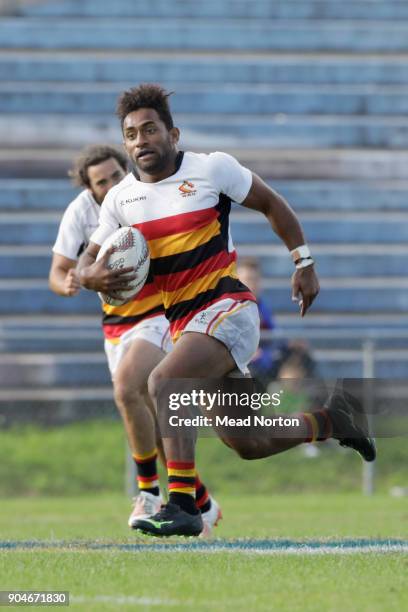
[
  {"x": 279, "y": 9},
  {"x": 205, "y": 34},
  {"x": 310, "y": 94}
]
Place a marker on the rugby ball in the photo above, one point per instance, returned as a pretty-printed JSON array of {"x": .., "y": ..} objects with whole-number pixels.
[{"x": 130, "y": 251}]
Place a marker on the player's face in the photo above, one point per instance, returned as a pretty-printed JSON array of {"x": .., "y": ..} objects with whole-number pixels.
[
  {"x": 149, "y": 144},
  {"x": 103, "y": 177}
]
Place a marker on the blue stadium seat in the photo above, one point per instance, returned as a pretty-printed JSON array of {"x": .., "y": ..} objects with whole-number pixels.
[
  {"x": 263, "y": 9},
  {"x": 307, "y": 195},
  {"x": 246, "y": 229},
  {"x": 34, "y": 262},
  {"x": 246, "y": 102},
  {"x": 36, "y": 194},
  {"x": 215, "y": 131},
  {"x": 335, "y": 229},
  {"x": 205, "y": 34},
  {"x": 32, "y": 296},
  {"x": 282, "y": 79},
  {"x": 243, "y": 68}
]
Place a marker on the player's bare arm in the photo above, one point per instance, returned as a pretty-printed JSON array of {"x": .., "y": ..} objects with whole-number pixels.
[
  {"x": 96, "y": 275},
  {"x": 286, "y": 225},
  {"x": 63, "y": 277}
]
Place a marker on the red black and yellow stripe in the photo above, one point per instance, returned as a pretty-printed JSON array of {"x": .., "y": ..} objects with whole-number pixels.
[
  {"x": 118, "y": 319},
  {"x": 182, "y": 477},
  {"x": 191, "y": 262},
  {"x": 318, "y": 424},
  {"x": 147, "y": 477},
  {"x": 203, "y": 502}
]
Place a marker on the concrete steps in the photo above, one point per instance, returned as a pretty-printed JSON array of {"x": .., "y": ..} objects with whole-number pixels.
[
  {"x": 218, "y": 68},
  {"x": 89, "y": 325},
  {"x": 306, "y": 164},
  {"x": 57, "y": 384},
  {"x": 331, "y": 228},
  {"x": 32, "y": 195},
  {"x": 42, "y": 371},
  {"x": 32, "y": 296},
  {"x": 30, "y": 334},
  {"x": 36, "y": 194},
  {"x": 312, "y": 95},
  {"x": 248, "y": 9},
  {"x": 212, "y": 132},
  {"x": 338, "y": 295},
  {"x": 67, "y": 334},
  {"x": 51, "y": 369},
  {"x": 245, "y": 100},
  {"x": 337, "y": 261},
  {"x": 205, "y": 34}
]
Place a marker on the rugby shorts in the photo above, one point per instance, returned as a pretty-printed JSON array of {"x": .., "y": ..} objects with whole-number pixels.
[
  {"x": 234, "y": 323},
  {"x": 153, "y": 329}
]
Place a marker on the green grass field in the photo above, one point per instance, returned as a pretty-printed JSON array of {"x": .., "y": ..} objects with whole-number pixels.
[{"x": 146, "y": 578}]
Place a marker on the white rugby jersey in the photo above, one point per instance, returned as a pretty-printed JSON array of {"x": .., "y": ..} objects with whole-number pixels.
[
  {"x": 185, "y": 220},
  {"x": 80, "y": 220},
  {"x": 78, "y": 223}
]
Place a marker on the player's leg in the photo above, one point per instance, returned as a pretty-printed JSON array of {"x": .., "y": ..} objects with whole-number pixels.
[
  {"x": 194, "y": 356},
  {"x": 218, "y": 341},
  {"x": 142, "y": 349},
  {"x": 236, "y": 325},
  {"x": 198, "y": 355},
  {"x": 132, "y": 400},
  {"x": 136, "y": 409}
]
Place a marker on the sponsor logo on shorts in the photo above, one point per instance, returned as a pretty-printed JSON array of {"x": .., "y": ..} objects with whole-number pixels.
[{"x": 202, "y": 318}]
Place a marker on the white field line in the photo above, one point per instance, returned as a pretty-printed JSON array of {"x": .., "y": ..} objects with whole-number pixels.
[
  {"x": 310, "y": 550},
  {"x": 284, "y": 549}
]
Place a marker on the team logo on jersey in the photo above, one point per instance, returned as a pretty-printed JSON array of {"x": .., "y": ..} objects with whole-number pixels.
[{"x": 187, "y": 189}]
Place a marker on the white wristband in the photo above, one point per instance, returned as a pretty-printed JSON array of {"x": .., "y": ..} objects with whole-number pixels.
[
  {"x": 301, "y": 252},
  {"x": 304, "y": 263}
]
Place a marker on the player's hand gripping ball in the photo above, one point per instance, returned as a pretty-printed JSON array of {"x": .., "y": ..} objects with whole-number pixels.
[{"x": 130, "y": 250}]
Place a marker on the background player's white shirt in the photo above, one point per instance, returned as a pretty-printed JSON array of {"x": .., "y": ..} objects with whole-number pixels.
[
  {"x": 133, "y": 202},
  {"x": 77, "y": 225}
]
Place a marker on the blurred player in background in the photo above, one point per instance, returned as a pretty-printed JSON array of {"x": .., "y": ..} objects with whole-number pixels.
[
  {"x": 274, "y": 358},
  {"x": 262, "y": 364},
  {"x": 184, "y": 204},
  {"x": 136, "y": 334}
]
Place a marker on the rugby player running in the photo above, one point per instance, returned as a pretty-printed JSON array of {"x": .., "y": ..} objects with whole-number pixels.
[
  {"x": 136, "y": 335},
  {"x": 181, "y": 201}
]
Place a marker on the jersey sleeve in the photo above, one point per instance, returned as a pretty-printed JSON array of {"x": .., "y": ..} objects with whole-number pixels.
[
  {"x": 108, "y": 221},
  {"x": 70, "y": 238},
  {"x": 229, "y": 176}
]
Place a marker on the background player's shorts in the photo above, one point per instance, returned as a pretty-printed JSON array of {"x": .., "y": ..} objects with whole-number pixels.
[
  {"x": 235, "y": 324},
  {"x": 154, "y": 330}
]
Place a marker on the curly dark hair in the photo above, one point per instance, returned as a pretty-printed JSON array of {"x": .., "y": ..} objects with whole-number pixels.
[
  {"x": 146, "y": 95},
  {"x": 92, "y": 156}
]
